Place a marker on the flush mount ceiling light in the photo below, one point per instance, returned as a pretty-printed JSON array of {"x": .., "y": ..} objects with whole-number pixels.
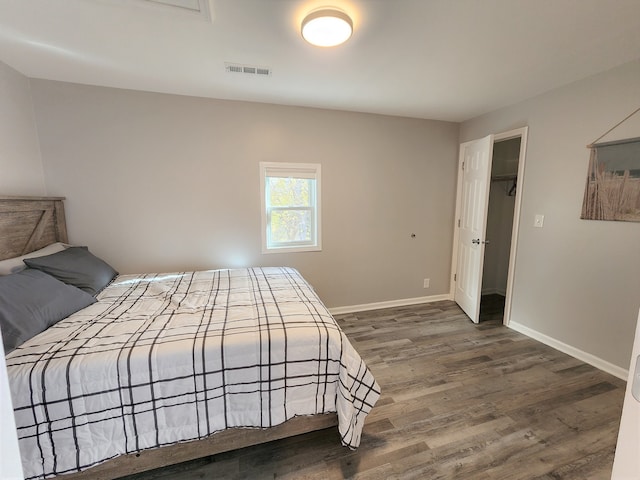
[{"x": 327, "y": 27}]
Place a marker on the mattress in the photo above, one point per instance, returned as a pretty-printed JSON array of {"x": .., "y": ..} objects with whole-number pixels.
[{"x": 167, "y": 358}]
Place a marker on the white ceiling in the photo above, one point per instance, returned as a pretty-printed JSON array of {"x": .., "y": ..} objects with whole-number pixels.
[{"x": 437, "y": 59}]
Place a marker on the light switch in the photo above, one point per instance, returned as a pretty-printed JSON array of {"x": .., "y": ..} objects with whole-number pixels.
[{"x": 538, "y": 221}]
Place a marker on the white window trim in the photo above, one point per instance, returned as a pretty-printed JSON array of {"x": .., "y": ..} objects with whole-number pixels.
[{"x": 305, "y": 170}]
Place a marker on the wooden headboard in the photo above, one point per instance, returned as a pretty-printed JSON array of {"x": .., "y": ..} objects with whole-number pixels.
[{"x": 30, "y": 223}]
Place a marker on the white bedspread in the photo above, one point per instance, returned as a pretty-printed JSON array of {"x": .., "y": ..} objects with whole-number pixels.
[{"x": 163, "y": 358}]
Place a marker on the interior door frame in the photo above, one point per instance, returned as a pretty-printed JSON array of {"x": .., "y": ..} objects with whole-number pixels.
[{"x": 515, "y": 133}]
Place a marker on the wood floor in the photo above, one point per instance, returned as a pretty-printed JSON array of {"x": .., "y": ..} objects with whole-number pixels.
[{"x": 459, "y": 401}]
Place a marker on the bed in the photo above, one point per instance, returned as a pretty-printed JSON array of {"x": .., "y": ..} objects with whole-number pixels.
[{"x": 163, "y": 368}]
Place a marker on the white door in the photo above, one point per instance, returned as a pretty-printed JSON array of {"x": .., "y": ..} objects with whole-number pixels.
[
  {"x": 626, "y": 465},
  {"x": 475, "y": 163}
]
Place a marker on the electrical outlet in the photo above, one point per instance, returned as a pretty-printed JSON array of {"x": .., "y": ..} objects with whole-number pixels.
[{"x": 426, "y": 283}]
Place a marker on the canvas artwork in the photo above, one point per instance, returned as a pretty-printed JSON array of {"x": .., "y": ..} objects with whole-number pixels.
[{"x": 612, "y": 191}]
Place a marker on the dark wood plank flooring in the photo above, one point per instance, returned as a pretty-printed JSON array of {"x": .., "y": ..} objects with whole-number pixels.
[{"x": 460, "y": 401}]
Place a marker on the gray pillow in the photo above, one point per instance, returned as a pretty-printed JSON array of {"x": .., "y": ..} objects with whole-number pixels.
[
  {"x": 76, "y": 266},
  {"x": 31, "y": 301}
]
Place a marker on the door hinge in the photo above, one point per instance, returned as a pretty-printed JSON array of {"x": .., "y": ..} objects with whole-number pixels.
[
  {"x": 463, "y": 165},
  {"x": 455, "y": 277},
  {"x": 458, "y": 223}
]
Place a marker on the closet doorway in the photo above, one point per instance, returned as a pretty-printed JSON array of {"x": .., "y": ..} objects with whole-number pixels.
[
  {"x": 505, "y": 194},
  {"x": 491, "y": 276}
]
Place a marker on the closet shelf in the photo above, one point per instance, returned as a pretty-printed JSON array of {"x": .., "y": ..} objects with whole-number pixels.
[{"x": 503, "y": 178}]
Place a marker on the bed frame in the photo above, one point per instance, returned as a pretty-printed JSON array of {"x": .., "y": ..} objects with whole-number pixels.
[{"x": 31, "y": 223}]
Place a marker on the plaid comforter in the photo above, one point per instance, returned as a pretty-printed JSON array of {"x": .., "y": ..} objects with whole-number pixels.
[{"x": 164, "y": 358}]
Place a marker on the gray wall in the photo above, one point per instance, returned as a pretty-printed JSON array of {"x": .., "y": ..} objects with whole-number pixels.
[
  {"x": 499, "y": 226},
  {"x": 20, "y": 163},
  {"x": 576, "y": 281},
  {"x": 159, "y": 182}
]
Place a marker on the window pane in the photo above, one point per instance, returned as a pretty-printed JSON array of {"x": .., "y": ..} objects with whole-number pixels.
[
  {"x": 290, "y": 199},
  {"x": 291, "y": 226},
  {"x": 289, "y": 192}
]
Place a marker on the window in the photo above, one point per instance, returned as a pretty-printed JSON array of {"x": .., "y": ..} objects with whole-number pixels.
[{"x": 290, "y": 207}]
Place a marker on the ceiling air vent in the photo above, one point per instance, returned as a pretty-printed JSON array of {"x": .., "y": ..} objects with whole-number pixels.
[
  {"x": 194, "y": 8},
  {"x": 247, "y": 69}
]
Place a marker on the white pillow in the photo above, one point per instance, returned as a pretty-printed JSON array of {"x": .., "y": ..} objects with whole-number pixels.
[{"x": 13, "y": 265}]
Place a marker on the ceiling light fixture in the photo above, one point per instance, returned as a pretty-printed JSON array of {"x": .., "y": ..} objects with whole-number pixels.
[{"x": 327, "y": 27}]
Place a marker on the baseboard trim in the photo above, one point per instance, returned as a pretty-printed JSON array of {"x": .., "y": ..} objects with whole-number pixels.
[
  {"x": 389, "y": 304},
  {"x": 569, "y": 350},
  {"x": 494, "y": 291}
]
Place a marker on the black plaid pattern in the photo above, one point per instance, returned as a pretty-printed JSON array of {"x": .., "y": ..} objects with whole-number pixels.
[{"x": 164, "y": 358}]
